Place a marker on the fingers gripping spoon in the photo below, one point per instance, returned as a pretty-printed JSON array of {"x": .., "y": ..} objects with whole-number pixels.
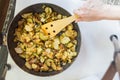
[{"x": 54, "y": 27}]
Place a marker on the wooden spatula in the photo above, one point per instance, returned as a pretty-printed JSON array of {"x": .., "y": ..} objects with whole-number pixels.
[{"x": 54, "y": 27}]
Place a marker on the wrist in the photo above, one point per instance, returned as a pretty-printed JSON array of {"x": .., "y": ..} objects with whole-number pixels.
[
  {"x": 111, "y": 12},
  {"x": 106, "y": 12}
]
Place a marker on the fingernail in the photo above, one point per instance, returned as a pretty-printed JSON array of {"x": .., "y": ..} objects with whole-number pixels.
[{"x": 76, "y": 21}]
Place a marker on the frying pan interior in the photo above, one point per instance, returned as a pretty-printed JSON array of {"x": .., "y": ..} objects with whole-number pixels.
[{"x": 10, "y": 37}]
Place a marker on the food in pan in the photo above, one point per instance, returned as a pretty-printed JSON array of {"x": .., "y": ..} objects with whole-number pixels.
[{"x": 40, "y": 52}]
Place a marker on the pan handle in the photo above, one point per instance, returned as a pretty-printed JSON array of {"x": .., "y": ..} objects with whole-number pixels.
[
  {"x": 110, "y": 73},
  {"x": 3, "y": 61},
  {"x": 114, "y": 39},
  {"x": 3, "y": 57}
]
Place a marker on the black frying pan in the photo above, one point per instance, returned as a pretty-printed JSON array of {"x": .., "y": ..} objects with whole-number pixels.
[{"x": 10, "y": 37}]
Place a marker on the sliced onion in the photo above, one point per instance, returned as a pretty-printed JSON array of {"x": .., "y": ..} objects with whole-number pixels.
[{"x": 18, "y": 50}]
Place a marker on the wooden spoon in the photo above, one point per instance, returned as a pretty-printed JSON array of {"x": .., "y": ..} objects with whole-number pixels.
[{"x": 54, "y": 27}]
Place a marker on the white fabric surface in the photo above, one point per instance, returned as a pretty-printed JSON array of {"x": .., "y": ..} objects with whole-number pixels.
[{"x": 92, "y": 77}]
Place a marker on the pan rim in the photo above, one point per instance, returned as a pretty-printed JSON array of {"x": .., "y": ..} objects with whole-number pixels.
[{"x": 16, "y": 17}]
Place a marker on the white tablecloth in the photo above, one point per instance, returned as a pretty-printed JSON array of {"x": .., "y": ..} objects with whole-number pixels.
[{"x": 96, "y": 51}]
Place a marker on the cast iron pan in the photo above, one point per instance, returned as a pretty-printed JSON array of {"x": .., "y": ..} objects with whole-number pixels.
[{"x": 10, "y": 37}]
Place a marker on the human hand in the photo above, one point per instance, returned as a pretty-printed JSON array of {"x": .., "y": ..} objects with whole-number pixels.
[{"x": 92, "y": 10}]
